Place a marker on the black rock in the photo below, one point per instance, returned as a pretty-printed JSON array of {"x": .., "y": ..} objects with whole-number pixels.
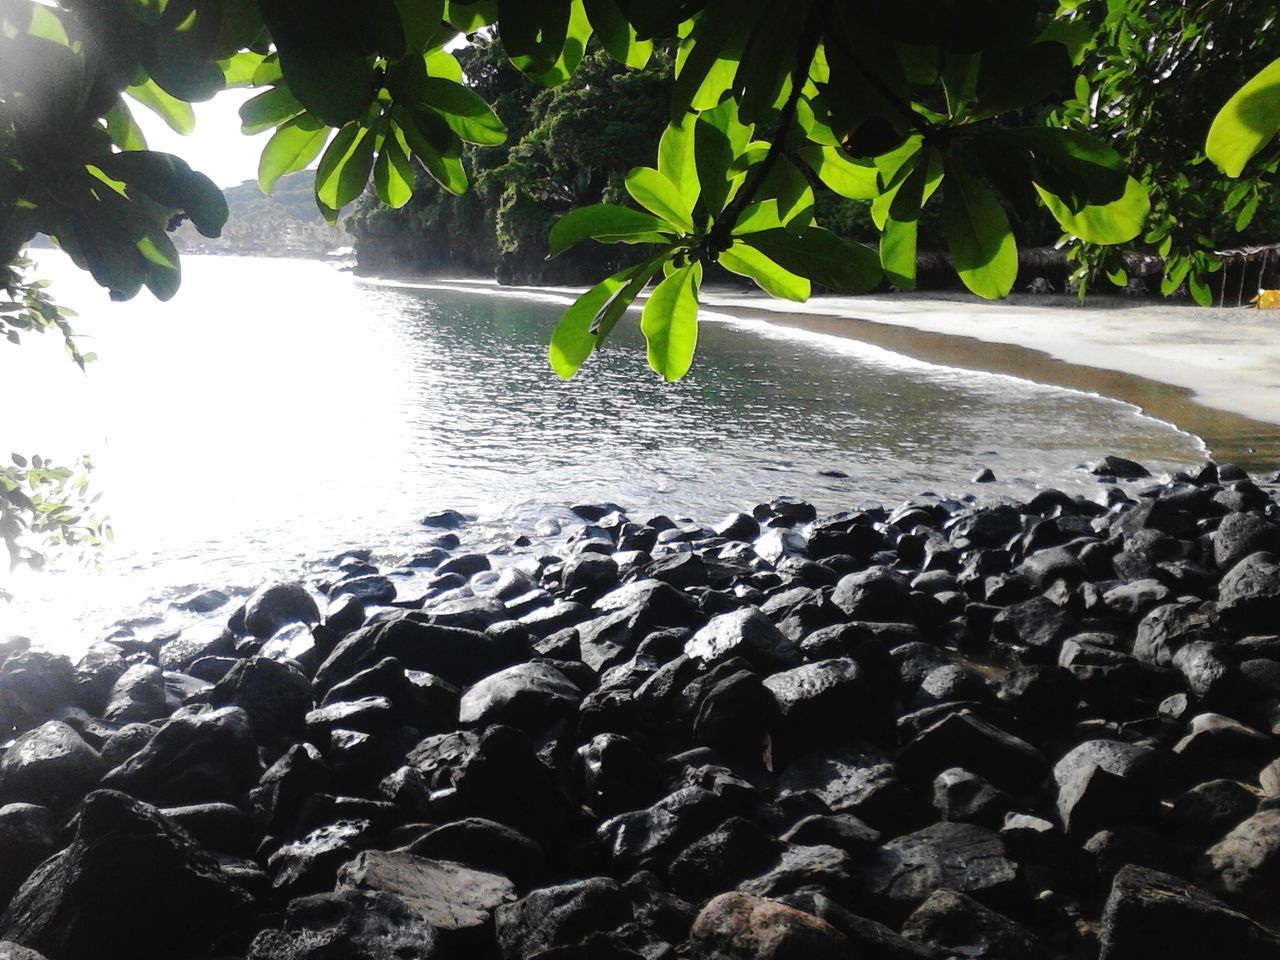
[
  {"x": 1245, "y": 864},
  {"x": 735, "y": 715},
  {"x": 726, "y": 857},
  {"x": 309, "y": 865},
  {"x": 285, "y": 786},
  {"x": 422, "y": 700},
  {"x": 1119, "y": 467},
  {"x": 34, "y": 687},
  {"x": 1249, "y": 594},
  {"x": 856, "y": 779},
  {"x": 869, "y": 938},
  {"x": 560, "y": 916},
  {"x": 958, "y": 924},
  {"x": 196, "y": 758},
  {"x": 873, "y": 594},
  {"x": 351, "y": 924},
  {"x": 50, "y": 766},
  {"x": 444, "y": 520},
  {"x": 531, "y": 696},
  {"x": 1105, "y": 782},
  {"x": 275, "y": 695},
  {"x": 126, "y": 741},
  {"x": 138, "y": 696},
  {"x": 218, "y": 826},
  {"x": 368, "y": 589},
  {"x": 657, "y": 833},
  {"x": 745, "y": 633},
  {"x": 739, "y": 926},
  {"x": 1155, "y": 916},
  {"x": 965, "y": 797},
  {"x": 28, "y": 836},
  {"x": 1208, "y": 810},
  {"x": 955, "y": 856},
  {"x": 619, "y": 774},
  {"x": 278, "y": 605},
  {"x": 965, "y": 739},
  {"x": 465, "y": 564},
  {"x": 131, "y": 877}
]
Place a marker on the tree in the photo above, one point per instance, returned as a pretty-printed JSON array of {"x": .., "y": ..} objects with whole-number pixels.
[{"x": 973, "y": 105}]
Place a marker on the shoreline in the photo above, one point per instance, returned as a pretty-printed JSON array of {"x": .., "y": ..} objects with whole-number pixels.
[{"x": 1207, "y": 371}]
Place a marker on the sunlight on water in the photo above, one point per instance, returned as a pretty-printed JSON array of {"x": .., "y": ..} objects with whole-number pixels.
[{"x": 278, "y": 411}]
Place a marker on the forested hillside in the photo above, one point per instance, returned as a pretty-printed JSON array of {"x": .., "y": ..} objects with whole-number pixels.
[{"x": 285, "y": 223}]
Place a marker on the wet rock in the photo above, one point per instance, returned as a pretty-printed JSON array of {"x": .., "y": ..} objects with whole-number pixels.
[
  {"x": 218, "y": 826},
  {"x": 1218, "y": 744},
  {"x": 371, "y": 715},
  {"x": 528, "y": 695},
  {"x": 486, "y": 845},
  {"x": 965, "y": 739},
  {"x": 34, "y": 687},
  {"x": 824, "y": 700},
  {"x": 466, "y": 565},
  {"x": 1208, "y": 810},
  {"x": 131, "y": 877},
  {"x": 277, "y": 605},
  {"x": 12, "y": 951},
  {"x": 369, "y": 589},
  {"x": 51, "y": 766},
  {"x": 1240, "y": 534},
  {"x": 1249, "y": 594},
  {"x": 735, "y": 715},
  {"x": 955, "y": 856},
  {"x": 873, "y": 594},
  {"x": 619, "y": 774},
  {"x": 1154, "y": 916},
  {"x": 1245, "y": 864},
  {"x": 658, "y": 832},
  {"x": 841, "y": 830},
  {"x": 139, "y": 695},
  {"x": 351, "y": 924},
  {"x": 276, "y": 696},
  {"x": 591, "y": 573},
  {"x": 856, "y": 779},
  {"x": 444, "y": 520},
  {"x": 963, "y": 796},
  {"x": 196, "y": 758},
  {"x": 726, "y": 857},
  {"x": 125, "y": 742},
  {"x": 28, "y": 836},
  {"x": 738, "y": 526},
  {"x": 960, "y": 925},
  {"x": 455, "y": 654},
  {"x": 1037, "y": 624},
  {"x": 745, "y": 633},
  {"x": 457, "y": 900},
  {"x": 828, "y": 869},
  {"x": 309, "y": 865},
  {"x": 868, "y": 938},
  {"x": 739, "y": 926},
  {"x": 287, "y": 785},
  {"x": 560, "y": 916}
]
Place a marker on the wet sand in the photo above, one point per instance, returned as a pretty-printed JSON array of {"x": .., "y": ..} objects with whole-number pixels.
[{"x": 1214, "y": 373}]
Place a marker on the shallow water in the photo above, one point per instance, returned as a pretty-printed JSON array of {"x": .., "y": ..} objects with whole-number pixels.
[{"x": 277, "y": 411}]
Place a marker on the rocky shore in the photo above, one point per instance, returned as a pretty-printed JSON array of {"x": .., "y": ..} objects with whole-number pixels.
[{"x": 1028, "y": 730}]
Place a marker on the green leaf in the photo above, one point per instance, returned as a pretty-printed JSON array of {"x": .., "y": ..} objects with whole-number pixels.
[
  {"x": 420, "y": 20},
  {"x": 1247, "y": 122},
  {"x": 676, "y": 159},
  {"x": 441, "y": 63},
  {"x": 468, "y": 16},
  {"x": 759, "y": 216},
  {"x": 393, "y": 173},
  {"x": 608, "y": 223},
  {"x": 534, "y": 34},
  {"x": 1116, "y": 222},
  {"x": 176, "y": 113},
  {"x": 841, "y": 175},
  {"x": 435, "y": 145},
  {"x": 267, "y": 110},
  {"x": 718, "y": 140},
  {"x": 319, "y": 64},
  {"x": 670, "y": 323},
  {"x": 746, "y": 261},
  {"x": 659, "y": 196},
  {"x": 344, "y": 168},
  {"x": 898, "y": 252},
  {"x": 978, "y": 235},
  {"x": 617, "y": 35},
  {"x": 826, "y": 259},
  {"x": 467, "y": 115},
  {"x": 170, "y": 182},
  {"x": 239, "y": 69},
  {"x": 291, "y": 148},
  {"x": 122, "y": 128},
  {"x": 572, "y": 341},
  {"x": 708, "y": 58},
  {"x": 1075, "y": 166}
]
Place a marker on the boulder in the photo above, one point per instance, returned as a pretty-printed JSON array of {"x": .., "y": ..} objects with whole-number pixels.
[
  {"x": 1245, "y": 864},
  {"x": 277, "y": 605},
  {"x": 50, "y": 765},
  {"x": 196, "y": 758},
  {"x": 28, "y": 836},
  {"x": 276, "y": 697},
  {"x": 138, "y": 696},
  {"x": 487, "y": 846},
  {"x": 351, "y": 924},
  {"x": 955, "y": 856},
  {"x": 560, "y": 916},
  {"x": 959, "y": 925},
  {"x": 856, "y": 779},
  {"x": 734, "y": 852},
  {"x": 309, "y": 865},
  {"x": 1249, "y": 593},
  {"x": 739, "y": 926},
  {"x": 1104, "y": 782},
  {"x": 34, "y": 687},
  {"x": 528, "y": 695},
  {"x": 1154, "y": 916},
  {"x": 745, "y": 633},
  {"x": 129, "y": 877},
  {"x": 874, "y": 594},
  {"x": 1240, "y": 534}
]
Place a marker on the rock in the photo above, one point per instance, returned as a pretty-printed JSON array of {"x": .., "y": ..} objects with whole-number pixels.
[
  {"x": 1249, "y": 593},
  {"x": 486, "y": 845},
  {"x": 1245, "y": 864},
  {"x": 444, "y": 520},
  {"x": 560, "y": 916},
  {"x": 455, "y": 654},
  {"x": 51, "y": 766},
  {"x": 735, "y": 715},
  {"x": 870, "y": 940},
  {"x": 206, "y": 601},
  {"x": 963, "y": 796},
  {"x": 734, "y": 852},
  {"x": 371, "y": 715},
  {"x": 739, "y": 926},
  {"x": 125, "y": 742},
  {"x": 371, "y": 590},
  {"x": 1155, "y": 916},
  {"x": 828, "y": 699},
  {"x": 12, "y": 951},
  {"x": 985, "y": 475},
  {"x": 960, "y": 925},
  {"x": 1038, "y": 624},
  {"x": 309, "y": 865},
  {"x": 828, "y": 869},
  {"x": 1240, "y": 534},
  {"x": 1166, "y": 629},
  {"x": 457, "y": 900},
  {"x": 196, "y": 758},
  {"x": 139, "y": 695},
  {"x": 219, "y": 826},
  {"x": 277, "y": 605},
  {"x": 28, "y": 836},
  {"x": 841, "y": 830},
  {"x": 1218, "y": 744},
  {"x": 745, "y": 633},
  {"x": 1120, "y": 468},
  {"x": 276, "y": 696},
  {"x": 421, "y": 700},
  {"x": 286, "y": 786},
  {"x": 466, "y": 565},
  {"x": 1210, "y": 676},
  {"x": 592, "y": 573},
  {"x": 34, "y": 687},
  {"x": 955, "y": 856},
  {"x": 1208, "y": 810},
  {"x": 619, "y": 774},
  {"x": 350, "y": 924},
  {"x": 738, "y": 526},
  {"x": 856, "y": 779},
  {"x": 658, "y": 832},
  {"x": 529, "y": 695},
  {"x": 131, "y": 877},
  {"x": 1103, "y": 782},
  {"x": 873, "y": 594},
  {"x": 966, "y": 740}
]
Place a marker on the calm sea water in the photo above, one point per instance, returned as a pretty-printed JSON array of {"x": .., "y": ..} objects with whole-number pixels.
[{"x": 279, "y": 411}]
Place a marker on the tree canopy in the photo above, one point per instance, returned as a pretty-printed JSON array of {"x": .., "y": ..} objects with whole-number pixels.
[{"x": 993, "y": 111}]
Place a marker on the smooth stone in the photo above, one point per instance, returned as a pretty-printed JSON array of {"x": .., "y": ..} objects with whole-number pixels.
[{"x": 450, "y": 896}]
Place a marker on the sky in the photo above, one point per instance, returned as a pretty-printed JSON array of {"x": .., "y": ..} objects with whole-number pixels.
[{"x": 216, "y": 147}]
